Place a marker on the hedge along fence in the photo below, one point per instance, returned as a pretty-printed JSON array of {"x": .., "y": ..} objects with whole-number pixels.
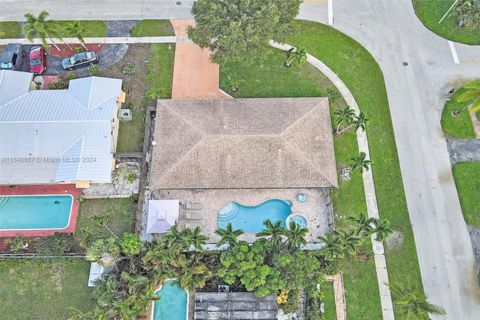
[{"x": 37, "y": 256}]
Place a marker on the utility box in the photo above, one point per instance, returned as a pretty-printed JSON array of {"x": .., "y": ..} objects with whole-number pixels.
[{"x": 125, "y": 115}]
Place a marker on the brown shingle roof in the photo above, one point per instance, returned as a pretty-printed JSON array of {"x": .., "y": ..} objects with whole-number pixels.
[{"x": 243, "y": 143}]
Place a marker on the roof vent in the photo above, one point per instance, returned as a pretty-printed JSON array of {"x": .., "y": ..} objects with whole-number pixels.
[{"x": 35, "y": 131}]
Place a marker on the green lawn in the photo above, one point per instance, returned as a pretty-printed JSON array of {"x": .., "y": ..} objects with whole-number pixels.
[
  {"x": 93, "y": 28},
  {"x": 37, "y": 289},
  {"x": 269, "y": 78},
  {"x": 460, "y": 126},
  {"x": 329, "y": 301},
  {"x": 467, "y": 180},
  {"x": 119, "y": 217},
  {"x": 431, "y": 11},
  {"x": 360, "y": 72},
  {"x": 130, "y": 134},
  {"x": 152, "y": 28},
  {"x": 10, "y": 29}
]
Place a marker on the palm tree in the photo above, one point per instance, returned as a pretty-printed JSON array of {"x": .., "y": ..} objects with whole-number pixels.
[
  {"x": 174, "y": 239},
  {"x": 228, "y": 235},
  {"x": 41, "y": 27},
  {"x": 295, "y": 235},
  {"x": 382, "y": 229},
  {"x": 194, "y": 238},
  {"x": 334, "y": 246},
  {"x": 76, "y": 30},
  {"x": 364, "y": 224},
  {"x": 274, "y": 231},
  {"x": 298, "y": 55},
  {"x": 191, "y": 274},
  {"x": 343, "y": 116},
  {"x": 358, "y": 122},
  {"x": 360, "y": 162},
  {"x": 413, "y": 304},
  {"x": 470, "y": 97},
  {"x": 350, "y": 240}
]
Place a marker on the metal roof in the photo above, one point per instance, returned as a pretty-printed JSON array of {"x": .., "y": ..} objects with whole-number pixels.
[{"x": 49, "y": 136}]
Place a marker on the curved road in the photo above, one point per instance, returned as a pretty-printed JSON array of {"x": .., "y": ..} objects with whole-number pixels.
[{"x": 390, "y": 30}]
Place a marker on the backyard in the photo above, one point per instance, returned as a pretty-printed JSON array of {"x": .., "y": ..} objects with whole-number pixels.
[
  {"x": 431, "y": 11},
  {"x": 38, "y": 289}
]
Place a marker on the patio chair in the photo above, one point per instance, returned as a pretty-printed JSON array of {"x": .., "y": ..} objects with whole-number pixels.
[
  {"x": 193, "y": 206},
  {"x": 193, "y": 215}
]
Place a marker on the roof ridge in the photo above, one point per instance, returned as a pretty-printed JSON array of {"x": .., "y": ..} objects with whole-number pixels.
[
  {"x": 302, "y": 117},
  {"x": 81, "y": 153},
  {"x": 180, "y": 116},
  {"x": 299, "y": 152}
]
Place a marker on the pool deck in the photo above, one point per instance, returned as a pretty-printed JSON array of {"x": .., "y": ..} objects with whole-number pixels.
[
  {"x": 56, "y": 189},
  {"x": 317, "y": 209}
]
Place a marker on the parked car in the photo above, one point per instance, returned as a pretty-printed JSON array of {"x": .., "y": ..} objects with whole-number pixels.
[
  {"x": 38, "y": 60},
  {"x": 81, "y": 59},
  {"x": 12, "y": 57}
]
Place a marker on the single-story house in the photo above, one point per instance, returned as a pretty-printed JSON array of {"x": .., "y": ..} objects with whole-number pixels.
[
  {"x": 58, "y": 136},
  {"x": 243, "y": 144}
]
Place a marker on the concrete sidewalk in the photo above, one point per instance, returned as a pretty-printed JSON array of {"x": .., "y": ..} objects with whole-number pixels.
[{"x": 105, "y": 40}]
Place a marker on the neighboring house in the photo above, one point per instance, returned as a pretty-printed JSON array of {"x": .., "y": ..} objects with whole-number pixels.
[
  {"x": 58, "y": 136},
  {"x": 243, "y": 143}
]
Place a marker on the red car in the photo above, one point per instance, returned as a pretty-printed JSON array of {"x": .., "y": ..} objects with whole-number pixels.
[{"x": 38, "y": 60}]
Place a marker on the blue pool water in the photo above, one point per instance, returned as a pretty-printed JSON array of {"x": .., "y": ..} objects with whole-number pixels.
[
  {"x": 250, "y": 219},
  {"x": 173, "y": 302},
  {"x": 298, "y": 219},
  {"x": 35, "y": 212}
]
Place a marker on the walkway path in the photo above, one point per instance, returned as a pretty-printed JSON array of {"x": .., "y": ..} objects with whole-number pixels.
[
  {"x": 339, "y": 291},
  {"x": 106, "y": 40},
  {"x": 463, "y": 149},
  {"x": 194, "y": 75},
  {"x": 390, "y": 30},
  {"x": 369, "y": 186}
]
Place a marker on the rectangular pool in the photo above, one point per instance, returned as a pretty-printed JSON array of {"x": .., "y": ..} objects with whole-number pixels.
[{"x": 35, "y": 212}]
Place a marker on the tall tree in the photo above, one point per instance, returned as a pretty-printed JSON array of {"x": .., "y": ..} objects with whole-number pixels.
[
  {"x": 343, "y": 116},
  {"x": 76, "y": 30},
  {"x": 360, "y": 162},
  {"x": 413, "y": 304},
  {"x": 272, "y": 230},
  {"x": 364, "y": 224},
  {"x": 228, "y": 235},
  {"x": 470, "y": 97},
  {"x": 334, "y": 246},
  {"x": 241, "y": 29},
  {"x": 295, "y": 235},
  {"x": 40, "y": 27},
  {"x": 194, "y": 238}
]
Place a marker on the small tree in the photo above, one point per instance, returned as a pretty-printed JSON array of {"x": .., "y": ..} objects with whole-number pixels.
[
  {"x": 40, "y": 27},
  {"x": 357, "y": 122},
  {"x": 382, "y": 229},
  {"x": 228, "y": 235},
  {"x": 76, "y": 30},
  {"x": 365, "y": 224},
  {"x": 470, "y": 98},
  {"x": 295, "y": 236},
  {"x": 295, "y": 55},
  {"x": 334, "y": 247},
  {"x": 343, "y": 116},
  {"x": 16, "y": 244},
  {"x": 241, "y": 30},
  {"x": 413, "y": 304},
  {"x": 360, "y": 162},
  {"x": 272, "y": 230},
  {"x": 130, "y": 244}
]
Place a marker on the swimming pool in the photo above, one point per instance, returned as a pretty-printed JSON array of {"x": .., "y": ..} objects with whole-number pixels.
[
  {"x": 250, "y": 219},
  {"x": 173, "y": 303},
  {"x": 36, "y": 212}
]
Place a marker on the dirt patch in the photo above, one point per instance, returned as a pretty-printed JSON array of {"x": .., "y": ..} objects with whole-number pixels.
[
  {"x": 134, "y": 84},
  {"x": 56, "y": 277},
  {"x": 395, "y": 240},
  {"x": 66, "y": 51}
]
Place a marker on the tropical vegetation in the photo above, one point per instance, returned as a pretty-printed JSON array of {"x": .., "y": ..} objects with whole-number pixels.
[
  {"x": 241, "y": 30},
  {"x": 39, "y": 26}
]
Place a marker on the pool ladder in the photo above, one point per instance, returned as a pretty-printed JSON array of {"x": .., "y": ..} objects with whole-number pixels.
[{"x": 3, "y": 201}]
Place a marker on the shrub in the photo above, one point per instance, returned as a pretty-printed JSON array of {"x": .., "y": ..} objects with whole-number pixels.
[
  {"x": 131, "y": 177},
  {"x": 291, "y": 305},
  {"x": 16, "y": 244},
  {"x": 134, "y": 198},
  {"x": 129, "y": 68},
  {"x": 58, "y": 244},
  {"x": 130, "y": 244},
  {"x": 94, "y": 70}
]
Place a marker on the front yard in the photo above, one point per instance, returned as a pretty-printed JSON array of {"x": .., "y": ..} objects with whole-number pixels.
[
  {"x": 431, "y": 11},
  {"x": 467, "y": 180},
  {"x": 457, "y": 126},
  {"x": 37, "y": 289},
  {"x": 10, "y": 29}
]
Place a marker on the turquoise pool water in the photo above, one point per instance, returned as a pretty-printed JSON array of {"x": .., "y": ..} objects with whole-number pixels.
[
  {"x": 298, "y": 219},
  {"x": 250, "y": 219},
  {"x": 35, "y": 212},
  {"x": 173, "y": 302}
]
